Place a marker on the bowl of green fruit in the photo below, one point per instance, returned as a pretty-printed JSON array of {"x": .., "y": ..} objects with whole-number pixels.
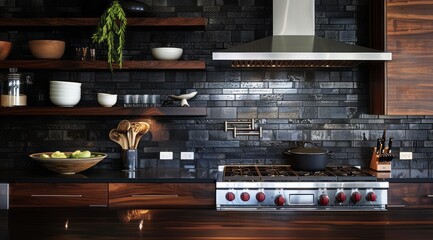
[{"x": 68, "y": 162}]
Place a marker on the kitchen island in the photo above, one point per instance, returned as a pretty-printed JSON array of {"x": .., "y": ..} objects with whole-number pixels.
[{"x": 108, "y": 223}]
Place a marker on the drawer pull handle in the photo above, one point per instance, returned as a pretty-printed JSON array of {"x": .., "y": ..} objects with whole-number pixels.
[
  {"x": 55, "y": 195},
  {"x": 154, "y": 196},
  {"x": 396, "y": 206},
  {"x": 430, "y": 195}
]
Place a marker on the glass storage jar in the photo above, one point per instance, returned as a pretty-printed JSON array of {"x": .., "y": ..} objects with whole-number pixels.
[{"x": 12, "y": 87}]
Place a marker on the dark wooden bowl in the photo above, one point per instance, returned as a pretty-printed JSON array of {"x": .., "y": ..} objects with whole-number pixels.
[{"x": 67, "y": 165}]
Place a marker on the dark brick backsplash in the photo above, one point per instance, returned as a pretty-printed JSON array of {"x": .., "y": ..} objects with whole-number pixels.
[{"x": 327, "y": 107}]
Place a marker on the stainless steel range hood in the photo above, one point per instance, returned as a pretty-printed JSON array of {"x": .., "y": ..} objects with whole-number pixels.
[{"x": 293, "y": 43}]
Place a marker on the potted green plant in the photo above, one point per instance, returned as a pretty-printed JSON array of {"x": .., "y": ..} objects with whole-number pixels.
[{"x": 111, "y": 31}]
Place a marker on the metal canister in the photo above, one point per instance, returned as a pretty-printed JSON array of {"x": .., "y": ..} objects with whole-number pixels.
[{"x": 13, "y": 86}]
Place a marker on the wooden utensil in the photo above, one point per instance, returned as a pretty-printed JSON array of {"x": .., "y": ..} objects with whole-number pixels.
[
  {"x": 124, "y": 126},
  {"x": 119, "y": 138},
  {"x": 132, "y": 133},
  {"x": 144, "y": 128}
]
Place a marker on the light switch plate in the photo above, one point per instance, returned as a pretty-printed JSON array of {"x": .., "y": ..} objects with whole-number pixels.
[
  {"x": 166, "y": 155},
  {"x": 186, "y": 155},
  {"x": 405, "y": 155}
]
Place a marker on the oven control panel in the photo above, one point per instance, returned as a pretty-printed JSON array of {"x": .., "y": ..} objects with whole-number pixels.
[{"x": 301, "y": 199}]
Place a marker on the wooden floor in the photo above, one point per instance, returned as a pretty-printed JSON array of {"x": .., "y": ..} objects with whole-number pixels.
[{"x": 210, "y": 224}]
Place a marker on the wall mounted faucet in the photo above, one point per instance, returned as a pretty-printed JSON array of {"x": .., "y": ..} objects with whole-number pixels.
[{"x": 247, "y": 128}]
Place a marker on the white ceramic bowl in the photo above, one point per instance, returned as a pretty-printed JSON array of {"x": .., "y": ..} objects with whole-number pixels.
[
  {"x": 64, "y": 89},
  {"x": 73, "y": 98},
  {"x": 64, "y": 84},
  {"x": 65, "y": 93},
  {"x": 107, "y": 95},
  {"x": 65, "y": 101},
  {"x": 107, "y": 100},
  {"x": 167, "y": 53},
  {"x": 47, "y": 49},
  {"x": 59, "y": 96}
]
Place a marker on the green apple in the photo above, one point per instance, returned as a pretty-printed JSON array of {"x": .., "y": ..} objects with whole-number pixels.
[
  {"x": 84, "y": 154},
  {"x": 58, "y": 154},
  {"x": 75, "y": 154}
]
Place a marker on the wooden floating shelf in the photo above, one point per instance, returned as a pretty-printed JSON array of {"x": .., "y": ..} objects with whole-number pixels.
[
  {"x": 82, "y": 22},
  {"x": 102, "y": 65},
  {"x": 104, "y": 111}
]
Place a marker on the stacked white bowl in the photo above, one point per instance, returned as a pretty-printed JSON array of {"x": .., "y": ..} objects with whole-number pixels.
[
  {"x": 106, "y": 99},
  {"x": 65, "y": 94}
]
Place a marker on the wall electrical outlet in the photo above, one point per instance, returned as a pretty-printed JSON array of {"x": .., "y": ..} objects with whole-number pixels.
[
  {"x": 405, "y": 155},
  {"x": 187, "y": 155},
  {"x": 166, "y": 155}
]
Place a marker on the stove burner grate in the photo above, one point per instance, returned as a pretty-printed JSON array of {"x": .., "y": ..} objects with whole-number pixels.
[{"x": 274, "y": 173}]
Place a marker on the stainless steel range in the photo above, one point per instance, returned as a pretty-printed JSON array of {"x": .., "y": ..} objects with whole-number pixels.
[{"x": 278, "y": 187}]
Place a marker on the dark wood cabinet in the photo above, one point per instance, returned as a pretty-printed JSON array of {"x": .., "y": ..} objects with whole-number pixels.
[
  {"x": 403, "y": 85},
  {"x": 166, "y": 195},
  {"x": 410, "y": 195},
  {"x": 58, "y": 194}
]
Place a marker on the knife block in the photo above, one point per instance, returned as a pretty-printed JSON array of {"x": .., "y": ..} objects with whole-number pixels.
[{"x": 381, "y": 162}]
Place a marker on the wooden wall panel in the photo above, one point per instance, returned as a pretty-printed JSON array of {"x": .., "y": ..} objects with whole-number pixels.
[{"x": 409, "y": 37}]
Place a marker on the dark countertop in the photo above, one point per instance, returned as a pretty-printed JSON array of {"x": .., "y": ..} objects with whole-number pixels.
[
  {"x": 156, "y": 175},
  {"x": 96, "y": 175},
  {"x": 101, "y": 223}
]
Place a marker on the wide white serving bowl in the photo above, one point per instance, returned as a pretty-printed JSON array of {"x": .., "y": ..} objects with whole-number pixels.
[
  {"x": 65, "y": 101},
  {"x": 64, "y": 84},
  {"x": 47, "y": 49},
  {"x": 107, "y": 100},
  {"x": 167, "y": 53}
]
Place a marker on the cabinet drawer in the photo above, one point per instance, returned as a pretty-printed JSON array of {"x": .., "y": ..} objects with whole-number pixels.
[
  {"x": 415, "y": 195},
  {"x": 196, "y": 195},
  {"x": 58, "y": 194}
]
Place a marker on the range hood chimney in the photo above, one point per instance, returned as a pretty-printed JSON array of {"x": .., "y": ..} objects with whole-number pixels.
[{"x": 293, "y": 43}]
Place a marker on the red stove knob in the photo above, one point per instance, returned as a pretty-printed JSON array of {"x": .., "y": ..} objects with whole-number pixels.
[
  {"x": 279, "y": 200},
  {"x": 323, "y": 200},
  {"x": 260, "y": 196},
  {"x": 371, "y": 196},
  {"x": 340, "y": 197},
  {"x": 245, "y": 196},
  {"x": 230, "y": 196},
  {"x": 356, "y": 197}
]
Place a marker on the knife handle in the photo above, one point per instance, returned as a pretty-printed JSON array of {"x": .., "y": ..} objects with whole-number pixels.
[
  {"x": 390, "y": 144},
  {"x": 378, "y": 146}
]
